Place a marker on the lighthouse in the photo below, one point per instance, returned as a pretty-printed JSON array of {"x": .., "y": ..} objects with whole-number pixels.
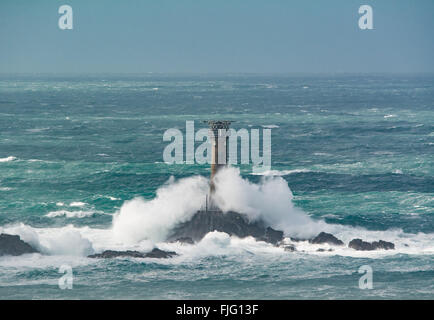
[
  {"x": 211, "y": 217},
  {"x": 219, "y": 135}
]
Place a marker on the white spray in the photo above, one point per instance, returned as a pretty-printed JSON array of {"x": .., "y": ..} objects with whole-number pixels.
[{"x": 176, "y": 202}]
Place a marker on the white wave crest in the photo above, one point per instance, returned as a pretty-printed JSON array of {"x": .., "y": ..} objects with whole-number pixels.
[
  {"x": 176, "y": 202},
  {"x": 8, "y": 159},
  {"x": 53, "y": 241},
  {"x": 281, "y": 172},
  {"x": 140, "y": 224},
  {"x": 77, "y": 204},
  {"x": 70, "y": 214}
]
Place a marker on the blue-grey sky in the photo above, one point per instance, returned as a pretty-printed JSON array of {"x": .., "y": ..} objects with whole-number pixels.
[{"x": 207, "y": 36}]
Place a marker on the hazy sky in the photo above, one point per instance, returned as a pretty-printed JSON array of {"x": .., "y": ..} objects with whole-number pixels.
[{"x": 216, "y": 36}]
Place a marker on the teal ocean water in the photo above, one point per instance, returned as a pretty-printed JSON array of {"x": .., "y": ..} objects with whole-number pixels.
[{"x": 82, "y": 170}]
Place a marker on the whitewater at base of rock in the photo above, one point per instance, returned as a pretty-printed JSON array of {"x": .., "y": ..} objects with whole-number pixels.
[{"x": 232, "y": 223}]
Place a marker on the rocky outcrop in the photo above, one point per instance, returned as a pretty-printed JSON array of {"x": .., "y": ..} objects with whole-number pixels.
[
  {"x": 328, "y": 238},
  {"x": 238, "y": 225},
  {"x": 289, "y": 248},
  {"x": 383, "y": 245},
  {"x": 160, "y": 254},
  {"x": 108, "y": 254},
  {"x": 14, "y": 246},
  {"x": 359, "y": 244},
  {"x": 232, "y": 223},
  {"x": 294, "y": 239},
  {"x": 155, "y": 253},
  {"x": 273, "y": 236}
]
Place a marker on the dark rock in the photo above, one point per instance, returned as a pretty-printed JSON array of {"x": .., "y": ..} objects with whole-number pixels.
[
  {"x": 155, "y": 253},
  {"x": 359, "y": 244},
  {"x": 289, "y": 248},
  {"x": 273, "y": 236},
  {"x": 324, "y": 237},
  {"x": 232, "y": 223},
  {"x": 13, "y": 245},
  {"x": 321, "y": 250},
  {"x": 298, "y": 239},
  {"x": 383, "y": 245},
  {"x": 108, "y": 254}
]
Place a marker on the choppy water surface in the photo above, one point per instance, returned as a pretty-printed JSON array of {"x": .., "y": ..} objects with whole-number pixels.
[{"x": 357, "y": 153}]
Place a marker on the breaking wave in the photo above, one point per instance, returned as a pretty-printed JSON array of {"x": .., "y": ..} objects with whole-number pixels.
[
  {"x": 140, "y": 224},
  {"x": 70, "y": 214},
  {"x": 281, "y": 172},
  {"x": 53, "y": 241},
  {"x": 269, "y": 201},
  {"x": 175, "y": 202},
  {"x": 8, "y": 159}
]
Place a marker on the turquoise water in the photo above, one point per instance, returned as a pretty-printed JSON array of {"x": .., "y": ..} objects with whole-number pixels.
[{"x": 357, "y": 152}]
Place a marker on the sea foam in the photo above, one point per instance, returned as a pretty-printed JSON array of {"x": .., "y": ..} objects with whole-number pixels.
[
  {"x": 177, "y": 201},
  {"x": 141, "y": 224},
  {"x": 8, "y": 159}
]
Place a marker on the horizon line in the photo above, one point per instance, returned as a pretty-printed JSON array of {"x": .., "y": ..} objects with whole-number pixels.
[{"x": 220, "y": 73}]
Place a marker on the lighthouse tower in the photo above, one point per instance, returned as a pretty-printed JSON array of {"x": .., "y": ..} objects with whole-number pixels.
[{"x": 219, "y": 134}]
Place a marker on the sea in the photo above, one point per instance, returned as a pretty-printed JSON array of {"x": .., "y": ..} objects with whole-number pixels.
[{"x": 82, "y": 171}]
